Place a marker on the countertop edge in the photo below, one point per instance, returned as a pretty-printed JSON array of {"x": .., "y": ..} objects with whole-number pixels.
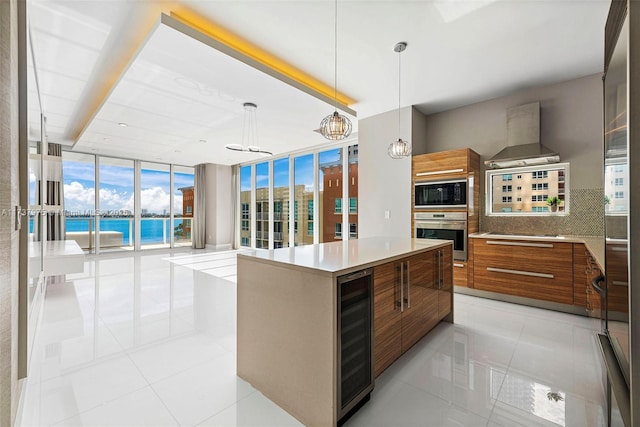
[{"x": 339, "y": 272}]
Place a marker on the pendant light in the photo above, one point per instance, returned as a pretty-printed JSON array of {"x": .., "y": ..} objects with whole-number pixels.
[
  {"x": 400, "y": 148},
  {"x": 335, "y": 126},
  {"x": 249, "y": 132}
]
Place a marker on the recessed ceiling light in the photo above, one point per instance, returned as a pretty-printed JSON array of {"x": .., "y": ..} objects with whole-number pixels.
[
  {"x": 105, "y": 138},
  {"x": 203, "y": 140},
  {"x": 177, "y": 151},
  {"x": 124, "y": 125}
]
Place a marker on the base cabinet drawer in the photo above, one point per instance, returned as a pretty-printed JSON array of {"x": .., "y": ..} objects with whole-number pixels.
[
  {"x": 460, "y": 274},
  {"x": 540, "y": 270}
]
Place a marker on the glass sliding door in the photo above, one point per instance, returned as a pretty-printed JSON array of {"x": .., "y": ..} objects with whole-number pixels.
[
  {"x": 262, "y": 205},
  {"x": 330, "y": 182},
  {"x": 245, "y": 204},
  {"x": 79, "y": 173},
  {"x": 116, "y": 181},
  {"x": 281, "y": 203},
  {"x": 304, "y": 203},
  {"x": 155, "y": 206},
  {"x": 183, "y": 182}
]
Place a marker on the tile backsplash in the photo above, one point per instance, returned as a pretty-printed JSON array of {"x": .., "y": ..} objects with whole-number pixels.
[{"x": 586, "y": 218}]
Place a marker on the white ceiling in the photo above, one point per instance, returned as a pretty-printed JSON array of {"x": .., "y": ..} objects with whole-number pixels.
[{"x": 103, "y": 62}]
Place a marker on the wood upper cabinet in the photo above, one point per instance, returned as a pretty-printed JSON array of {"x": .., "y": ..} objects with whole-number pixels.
[
  {"x": 449, "y": 163},
  {"x": 526, "y": 268},
  {"x": 407, "y": 303}
]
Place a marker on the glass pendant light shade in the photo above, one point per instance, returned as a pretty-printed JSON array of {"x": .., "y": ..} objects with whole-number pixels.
[
  {"x": 399, "y": 149},
  {"x": 335, "y": 126}
]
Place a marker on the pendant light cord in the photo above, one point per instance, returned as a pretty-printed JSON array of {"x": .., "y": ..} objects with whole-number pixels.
[
  {"x": 399, "y": 76},
  {"x": 335, "y": 57}
]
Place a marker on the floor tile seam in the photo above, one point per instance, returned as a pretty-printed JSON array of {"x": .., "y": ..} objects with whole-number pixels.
[
  {"x": 155, "y": 393},
  {"x": 104, "y": 403},
  {"x": 495, "y": 400},
  {"x": 448, "y": 402},
  {"x": 182, "y": 371},
  {"x": 199, "y": 423},
  {"x": 166, "y": 340}
]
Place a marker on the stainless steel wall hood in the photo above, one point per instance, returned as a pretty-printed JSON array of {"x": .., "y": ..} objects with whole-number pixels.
[{"x": 523, "y": 140}]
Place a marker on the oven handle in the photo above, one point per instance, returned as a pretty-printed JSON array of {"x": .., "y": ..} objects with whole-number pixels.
[
  {"x": 444, "y": 225},
  {"x": 594, "y": 283}
]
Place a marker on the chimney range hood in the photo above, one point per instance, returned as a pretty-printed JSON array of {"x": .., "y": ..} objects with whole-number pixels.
[{"x": 523, "y": 140}]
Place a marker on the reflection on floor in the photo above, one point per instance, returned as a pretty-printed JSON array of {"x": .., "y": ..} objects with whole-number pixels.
[{"x": 149, "y": 339}]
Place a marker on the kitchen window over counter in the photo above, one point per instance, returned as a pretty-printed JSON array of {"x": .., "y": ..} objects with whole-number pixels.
[{"x": 536, "y": 189}]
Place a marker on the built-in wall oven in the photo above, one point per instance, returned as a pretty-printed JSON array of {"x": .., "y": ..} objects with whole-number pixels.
[
  {"x": 444, "y": 225},
  {"x": 440, "y": 194}
]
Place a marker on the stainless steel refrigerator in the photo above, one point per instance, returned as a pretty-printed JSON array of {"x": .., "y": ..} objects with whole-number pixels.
[{"x": 620, "y": 340}]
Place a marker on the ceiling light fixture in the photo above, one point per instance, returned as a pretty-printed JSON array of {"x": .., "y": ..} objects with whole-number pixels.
[
  {"x": 249, "y": 132},
  {"x": 335, "y": 126},
  {"x": 399, "y": 148}
]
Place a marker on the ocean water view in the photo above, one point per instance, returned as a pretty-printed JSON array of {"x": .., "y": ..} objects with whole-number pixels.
[{"x": 152, "y": 230}]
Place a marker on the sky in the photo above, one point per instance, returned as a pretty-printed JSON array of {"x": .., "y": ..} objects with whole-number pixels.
[{"x": 116, "y": 188}]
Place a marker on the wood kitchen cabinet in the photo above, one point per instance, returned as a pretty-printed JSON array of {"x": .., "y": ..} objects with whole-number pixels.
[
  {"x": 411, "y": 296},
  {"x": 585, "y": 270},
  {"x": 448, "y": 163},
  {"x": 541, "y": 270}
]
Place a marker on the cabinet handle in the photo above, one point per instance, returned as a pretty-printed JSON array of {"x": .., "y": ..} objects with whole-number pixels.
[
  {"x": 401, "y": 288},
  {"x": 408, "y": 286},
  {"x": 455, "y": 264},
  {"x": 530, "y": 245},
  {"x": 520, "y": 272},
  {"x": 619, "y": 283}
]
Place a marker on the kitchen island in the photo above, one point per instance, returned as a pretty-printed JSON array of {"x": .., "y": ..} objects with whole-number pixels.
[{"x": 294, "y": 337}]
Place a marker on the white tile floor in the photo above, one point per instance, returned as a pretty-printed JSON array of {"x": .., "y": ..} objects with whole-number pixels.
[{"x": 149, "y": 339}]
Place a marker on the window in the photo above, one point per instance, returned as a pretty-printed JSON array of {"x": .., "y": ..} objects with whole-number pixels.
[
  {"x": 540, "y": 174},
  {"x": 245, "y": 210},
  {"x": 338, "y": 230},
  {"x": 534, "y": 185},
  {"x": 310, "y": 229},
  {"x": 618, "y": 168},
  {"x": 295, "y": 209},
  {"x": 189, "y": 209},
  {"x": 353, "y": 205},
  {"x": 245, "y": 225},
  {"x": 619, "y": 195},
  {"x": 310, "y": 210},
  {"x": 353, "y": 230},
  {"x": 338, "y": 208},
  {"x": 245, "y": 241},
  {"x": 619, "y": 181}
]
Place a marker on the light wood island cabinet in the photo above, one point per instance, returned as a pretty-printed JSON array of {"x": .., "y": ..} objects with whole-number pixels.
[{"x": 293, "y": 324}]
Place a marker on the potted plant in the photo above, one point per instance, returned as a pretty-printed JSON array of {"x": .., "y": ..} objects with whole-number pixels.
[{"x": 553, "y": 203}]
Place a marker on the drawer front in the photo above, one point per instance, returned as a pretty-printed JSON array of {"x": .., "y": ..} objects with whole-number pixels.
[
  {"x": 460, "y": 271},
  {"x": 530, "y": 269}
]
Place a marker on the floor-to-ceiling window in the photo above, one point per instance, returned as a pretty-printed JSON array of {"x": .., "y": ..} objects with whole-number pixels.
[
  {"x": 79, "y": 178},
  {"x": 262, "y": 205},
  {"x": 281, "y": 203},
  {"x": 155, "y": 205},
  {"x": 303, "y": 199},
  {"x": 116, "y": 183},
  {"x": 330, "y": 184},
  {"x": 245, "y": 206},
  {"x": 183, "y": 184},
  {"x": 352, "y": 183}
]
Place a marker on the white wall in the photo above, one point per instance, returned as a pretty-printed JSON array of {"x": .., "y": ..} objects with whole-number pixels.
[
  {"x": 384, "y": 184},
  {"x": 219, "y": 207}
]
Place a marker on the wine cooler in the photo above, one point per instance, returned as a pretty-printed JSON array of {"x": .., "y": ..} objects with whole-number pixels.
[{"x": 355, "y": 342}]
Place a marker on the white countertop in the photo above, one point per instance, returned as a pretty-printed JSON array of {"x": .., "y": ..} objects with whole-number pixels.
[{"x": 347, "y": 255}]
